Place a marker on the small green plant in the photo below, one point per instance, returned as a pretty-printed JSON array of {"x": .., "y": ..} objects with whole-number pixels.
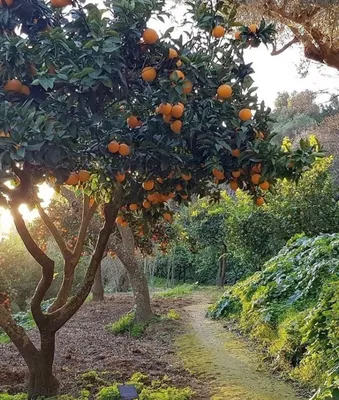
[
  {"x": 172, "y": 314},
  {"x": 90, "y": 379},
  {"x": 169, "y": 393},
  {"x": 126, "y": 324},
  {"x": 20, "y": 396},
  {"x": 177, "y": 291},
  {"x": 109, "y": 393}
]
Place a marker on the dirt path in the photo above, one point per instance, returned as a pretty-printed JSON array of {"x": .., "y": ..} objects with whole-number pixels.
[{"x": 226, "y": 362}]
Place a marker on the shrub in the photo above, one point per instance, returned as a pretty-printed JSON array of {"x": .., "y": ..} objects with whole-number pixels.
[{"x": 127, "y": 324}]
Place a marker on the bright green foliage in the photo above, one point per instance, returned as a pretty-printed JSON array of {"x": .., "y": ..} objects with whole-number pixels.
[
  {"x": 5, "y": 396},
  {"x": 176, "y": 291},
  {"x": 127, "y": 324},
  {"x": 172, "y": 314},
  {"x": 292, "y": 309},
  {"x": 109, "y": 393}
]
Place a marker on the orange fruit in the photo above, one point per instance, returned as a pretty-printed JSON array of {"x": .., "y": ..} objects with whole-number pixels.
[
  {"x": 176, "y": 126},
  {"x": 124, "y": 150},
  {"x": 148, "y": 74},
  {"x": 152, "y": 197},
  {"x": 84, "y": 175},
  {"x": 253, "y": 28},
  {"x": 224, "y": 91},
  {"x": 245, "y": 114},
  {"x": 60, "y": 3},
  {"x": 132, "y": 122},
  {"x": 157, "y": 110},
  {"x": 113, "y": 147},
  {"x": 25, "y": 90},
  {"x": 124, "y": 224},
  {"x": 73, "y": 179},
  {"x": 178, "y": 64},
  {"x": 119, "y": 220},
  {"x": 236, "y": 174},
  {"x": 218, "y": 32},
  {"x": 172, "y": 53},
  {"x": 177, "y": 74},
  {"x": 256, "y": 168},
  {"x": 133, "y": 207},
  {"x": 120, "y": 176},
  {"x": 255, "y": 179},
  {"x": 234, "y": 185},
  {"x": 218, "y": 174},
  {"x": 260, "y": 201},
  {"x": 264, "y": 185},
  {"x": 235, "y": 152},
  {"x": 148, "y": 185},
  {"x": 146, "y": 204},
  {"x": 186, "y": 177},
  {"x": 181, "y": 105},
  {"x": 168, "y": 217},
  {"x": 7, "y": 2},
  {"x": 187, "y": 87},
  {"x": 13, "y": 85},
  {"x": 177, "y": 111},
  {"x": 150, "y": 36},
  {"x": 167, "y": 118},
  {"x": 237, "y": 35},
  {"x": 165, "y": 108}
]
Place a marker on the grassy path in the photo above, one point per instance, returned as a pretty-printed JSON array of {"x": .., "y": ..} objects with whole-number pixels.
[{"x": 233, "y": 371}]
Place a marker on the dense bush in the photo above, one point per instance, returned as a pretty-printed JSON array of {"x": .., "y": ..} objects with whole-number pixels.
[{"x": 292, "y": 309}]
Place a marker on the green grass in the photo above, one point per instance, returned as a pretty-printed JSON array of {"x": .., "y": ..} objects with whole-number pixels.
[
  {"x": 176, "y": 291},
  {"x": 127, "y": 325}
]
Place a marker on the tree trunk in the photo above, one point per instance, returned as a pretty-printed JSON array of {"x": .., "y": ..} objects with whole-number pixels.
[
  {"x": 221, "y": 272},
  {"x": 123, "y": 283},
  {"x": 42, "y": 382},
  {"x": 65, "y": 290},
  {"x": 98, "y": 286},
  {"x": 141, "y": 295}
]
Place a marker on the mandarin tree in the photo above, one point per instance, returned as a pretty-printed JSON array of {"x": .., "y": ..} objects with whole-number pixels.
[{"x": 95, "y": 92}]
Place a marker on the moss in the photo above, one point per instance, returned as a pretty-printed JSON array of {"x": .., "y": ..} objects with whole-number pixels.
[
  {"x": 109, "y": 393},
  {"x": 172, "y": 314},
  {"x": 20, "y": 396}
]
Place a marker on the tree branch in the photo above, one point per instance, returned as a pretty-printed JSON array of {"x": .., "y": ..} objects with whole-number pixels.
[
  {"x": 276, "y": 52},
  {"x": 54, "y": 232}
]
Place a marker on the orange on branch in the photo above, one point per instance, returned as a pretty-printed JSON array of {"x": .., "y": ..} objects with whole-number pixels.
[
  {"x": 255, "y": 179},
  {"x": 148, "y": 74},
  {"x": 245, "y": 114},
  {"x": 218, "y": 32},
  {"x": 264, "y": 185},
  {"x": 84, "y": 175},
  {"x": 124, "y": 224},
  {"x": 148, "y": 185},
  {"x": 224, "y": 91},
  {"x": 150, "y": 36},
  {"x": 177, "y": 74},
  {"x": 237, "y": 35},
  {"x": 13, "y": 85},
  {"x": 146, "y": 204},
  {"x": 165, "y": 108},
  {"x": 178, "y": 64},
  {"x": 256, "y": 168},
  {"x": 235, "y": 152},
  {"x": 177, "y": 111},
  {"x": 72, "y": 180},
  {"x": 124, "y": 150},
  {"x": 172, "y": 53},
  {"x": 253, "y": 28},
  {"x": 132, "y": 122},
  {"x": 187, "y": 87},
  {"x": 7, "y": 2},
  {"x": 236, "y": 174},
  {"x": 176, "y": 126},
  {"x": 120, "y": 176},
  {"x": 218, "y": 174},
  {"x": 25, "y": 90},
  {"x": 119, "y": 220},
  {"x": 168, "y": 217},
  {"x": 113, "y": 147},
  {"x": 234, "y": 185},
  {"x": 167, "y": 118},
  {"x": 260, "y": 201}
]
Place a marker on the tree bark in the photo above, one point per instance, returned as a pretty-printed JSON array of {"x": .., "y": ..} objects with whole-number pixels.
[
  {"x": 65, "y": 289},
  {"x": 42, "y": 382},
  {"x": 222, "y": 272},
  {"x": 123, "y": 283},
  {"x": 98, "y": 286}
]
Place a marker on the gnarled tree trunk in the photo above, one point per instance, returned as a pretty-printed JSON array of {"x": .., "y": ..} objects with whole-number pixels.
[
  {"x": 123, "y": 283},
  {"x": 65, "y": 289},
  {"x": 98, "y": 286}
]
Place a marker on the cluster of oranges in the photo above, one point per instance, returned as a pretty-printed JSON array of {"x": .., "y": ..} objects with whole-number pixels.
[
  {"x": 76, "y": 177},
  {"x": 253, "y": 28},
  {"x": 16, "y": 86},
  {"x": 171, "y": 114},
  {"x": 122, "y": 148}
]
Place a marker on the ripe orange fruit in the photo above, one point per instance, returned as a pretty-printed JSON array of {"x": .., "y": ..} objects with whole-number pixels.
[
  {"x": 165, "y": 108},
  {"x": 168, "y": 217},
  {"x": 119, "y": 220},
  {"x": 218, "y": 31},
  {"x": 113, "y": 147},
  {"x": 237, "y": 35},
  {"x": 235, "y": 152},
  {"x": 178, "y": 63},
  {"x": 177, "y": 111},
  {"x": 148, "y": 185},
  {"x": 172, "y": 53},
  {"x": 73, "y": 179},
  {"x": 25, "y": 90},
  {"x": 177, "y": 74},
  {"x": 224, "y": 91},
  {"x": 186, "y": 177},
  {"x": 245, "y": 114},
  {"x": 132, "y": 122},
  {"x": 167, "y": 118},
  {"x": 260, "y": 201},
  {"x": 60, "y": 3},
  {"x": 146, "y": 204},
  {"x": 187, "y": 87},
  {"x": 148, "y": 74},
  {"x": 176, "y": 126},
  {"x": 124, "y": 224},
  {"x": 264, "y": 185},
  {"x": 124, "y": 150},
  {"x": 218, "y": 174},
  {"x": 150, "y": 36},
  {"x": 120, "y": 176},
  {"x": 7, "y": 2},
  {"x": 181, "y": 105},
  {"x": 253, "y": 28},
  {"x": 234, "y": 185},
  {"x": 84, "y": 175},
  {"x": 236, "y": 174},
  {"x": 152, "y": 197},
  {"x": 133, "y": 207},
  {"x": 13, "y": 85},
  {"x": 255, "y": 179}
]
